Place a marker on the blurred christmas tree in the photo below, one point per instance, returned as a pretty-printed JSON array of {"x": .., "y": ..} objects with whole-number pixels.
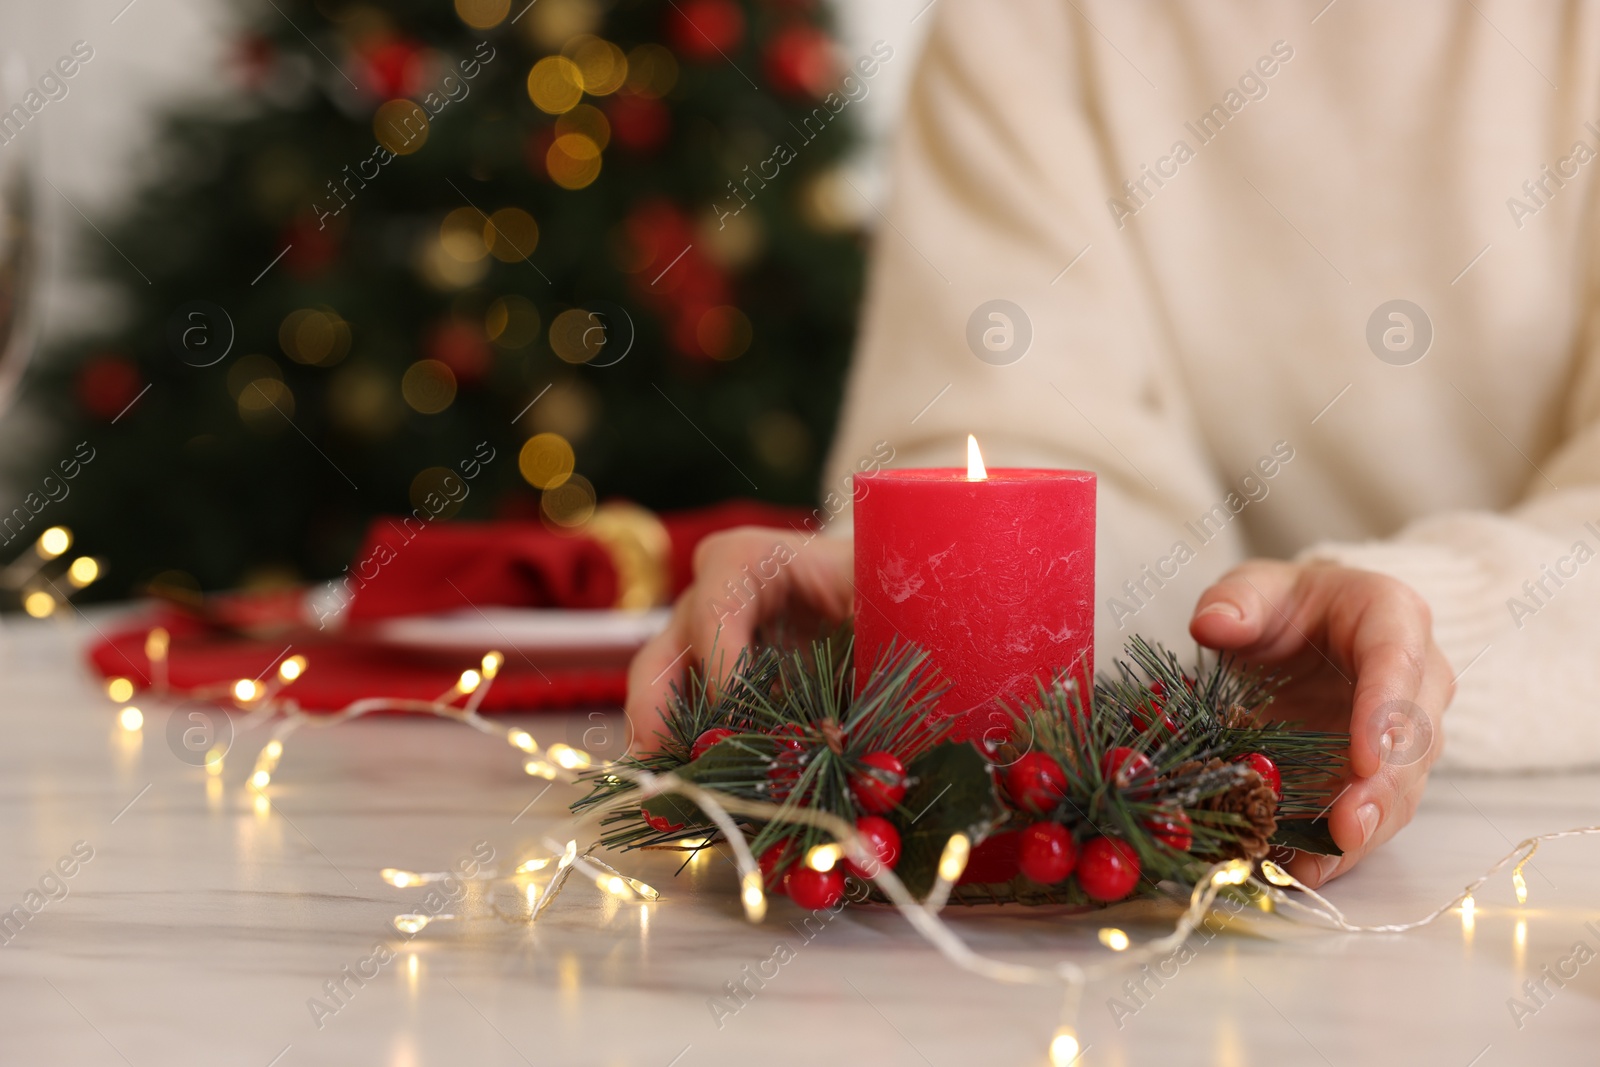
[{"x": 564, "y": 227}]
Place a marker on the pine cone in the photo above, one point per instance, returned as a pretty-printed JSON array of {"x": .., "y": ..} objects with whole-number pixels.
[
  {"x": 1254, "y": 800},
  {"x": 1239, "y": 717}
]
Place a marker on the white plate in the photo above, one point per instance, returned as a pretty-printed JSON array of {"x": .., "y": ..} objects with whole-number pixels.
[{"x": 526, "y": 629}]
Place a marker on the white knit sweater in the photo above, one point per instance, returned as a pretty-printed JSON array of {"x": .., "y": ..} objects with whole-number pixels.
[{"x": 1203, "y": 330}]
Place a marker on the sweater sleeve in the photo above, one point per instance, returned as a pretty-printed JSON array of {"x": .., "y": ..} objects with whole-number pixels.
[
  {"x": 1000, "y": 194},
  {"x": 1513, "y": 600}
]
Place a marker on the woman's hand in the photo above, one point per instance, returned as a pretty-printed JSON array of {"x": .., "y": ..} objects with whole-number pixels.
[
  {"x": 742, "y": 578},
  {"x": 1359, "y": 649}
]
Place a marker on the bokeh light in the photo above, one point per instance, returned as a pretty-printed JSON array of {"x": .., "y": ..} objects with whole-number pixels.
[
  {"x": 555, "y": 85},
  {"x": 438, "y": 490},
  {"x": 483, "y": 14},
  {"x": 401, "y": 126},
  {"x": 577, "y": 335},
  {"x": 569, "y": 504},
  {"x": 511, "y": 322},
  {"x": 511, "y": 234},
  {"x": 601, "y": 64},
  {"x": 587, "y": 121},
  {"x": 428, "y": 386},
  {"x": 546, "y": 460},
  {"x": 314, "y": 336},
  {"x": 461, "y": 235},
  {"x": 652, "y": 71},
  {"x": 266, "y": 403},
  {"x": 573, "y": 161}
]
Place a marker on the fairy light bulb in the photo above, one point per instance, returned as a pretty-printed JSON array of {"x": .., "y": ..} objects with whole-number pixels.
[
  {"x": 1114, "y": 939},
  {"x": 1064, "y": 1048},
  {"x": 644, "y": 889},
  {"x": 823, "y": 857},
  {"x": 569, "y": 854},
  {"x": 522, "y": 739},
  {"x": 469, "y": 681},
  {"x": 39, "y": 604},
  {"x": 1234, "y": 872},
  {"x": 245, "y": 690},
  {"x": 156, "y": 643},
  {"x": 401, "y": 879},
  {"x": 260, "y": 779},
  {"x": 53, "y": 542},
  {"x": 131, "y": 719},
  {"x": 1275, "y": 874},
  {"x": 119, "y": 689},
  {"x": 292, "y": 668},
  {"x": 573, "y": 759},
  {"x": 214, "y": 760},
  {"x": 538, "y": 768},
  {"x": 411, "y": 923},
  {"x": 492, "y": 662},
  {"x": 538, "y": 863},
  {"x": 613, "y": 884},
  {"x": 953, "y": 860},
  {"x": 83, "y": 571},
  {"x": 273, "y": 750},
  {"x": 1520, "y": 884},
  {"x": 1469, "y": 915},
  {"x": 752, "y": 897}
]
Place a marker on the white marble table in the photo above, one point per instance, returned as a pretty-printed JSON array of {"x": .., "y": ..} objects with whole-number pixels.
[{"x": 204, "y": 923}]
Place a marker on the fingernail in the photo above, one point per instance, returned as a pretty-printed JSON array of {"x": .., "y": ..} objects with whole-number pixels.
[
  {"x": 1221, "y": 607},
  {"x": 1367, "y": 816},
  {"x": 1326, "y": 865}
]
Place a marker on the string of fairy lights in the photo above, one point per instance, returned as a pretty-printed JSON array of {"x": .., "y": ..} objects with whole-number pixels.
[
  {"x": 1266, "y": 885},
  {"x": 41, "y": 587}
]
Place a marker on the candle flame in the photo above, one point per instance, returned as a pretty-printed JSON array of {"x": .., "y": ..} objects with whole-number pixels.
[{"x": 976, "y": 472}]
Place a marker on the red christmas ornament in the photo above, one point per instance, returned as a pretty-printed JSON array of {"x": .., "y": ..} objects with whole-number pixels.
[
  {"x": 1266, "y": 769},
  {"x": 815, "y": 889},
  {"x": 254, "y": 57},
  {"x": 312, "y": 246},
  {"x": 1173, "y": 828},
  {"x": 799, "y": 61},
  {"x": 884, "y": 841},
  {"x": 1108, "y": 869},
  {"x": 1046, "y": 853},
  {"x": 1124, "y": 765},
  {"x": 660, "y": 823},
  {"x": 707, "y": 739},
  {"x": 705, "y": 30},
  {"x": 785, "y": 769},
  {"x": 774, "y": 864},
  {"x": 638, "y": 123},
  {"x": 1035, "y": 782},
  {"x": 106, "y": 385},
  {"x": 880, "y": 783}
]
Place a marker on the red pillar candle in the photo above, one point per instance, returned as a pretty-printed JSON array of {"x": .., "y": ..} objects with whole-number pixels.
[{"x": 991, "y": 573}]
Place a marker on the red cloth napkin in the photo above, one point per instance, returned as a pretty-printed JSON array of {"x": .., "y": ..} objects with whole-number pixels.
[{"x": 442, "y": 567}]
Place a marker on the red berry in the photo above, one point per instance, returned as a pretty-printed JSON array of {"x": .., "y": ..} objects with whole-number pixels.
[
  {"x": 815, "y": 889},
  {"x": 880, "y": 783},
  {"x": 660, "y": 823},
  {"x": 1267, "y": 769},
  {"x": 1108, "y": 869},
  {"x": 1152, "y": 713},
  {"x": 775, "y": 867},
  {"x": 1158, "y": 691},
  {"x": 792, "y": 737},
  {"x": 1036, "y": 782},
  {"x": 709, "y": 738},
  {"x": 882, "y": 839},
  {"x": 1173, "y": 828},
  {"x": 1124, "y": 765},
  {"x": 705, "y": 30},
  {"x": 1046, "y": 853}
]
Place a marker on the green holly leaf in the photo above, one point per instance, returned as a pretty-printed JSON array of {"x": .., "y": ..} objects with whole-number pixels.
[
  {"x": 952, "y": 792},
  {"x": 1306, "y": 835}
]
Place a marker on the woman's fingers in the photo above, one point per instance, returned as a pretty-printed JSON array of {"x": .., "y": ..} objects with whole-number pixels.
[
  {"x": 743, "y": 577},
  {"x": 1248, "y": 610}
]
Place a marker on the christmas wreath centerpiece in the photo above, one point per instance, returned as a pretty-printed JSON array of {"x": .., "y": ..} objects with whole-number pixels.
[{"x": 1138, "y": 790}]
